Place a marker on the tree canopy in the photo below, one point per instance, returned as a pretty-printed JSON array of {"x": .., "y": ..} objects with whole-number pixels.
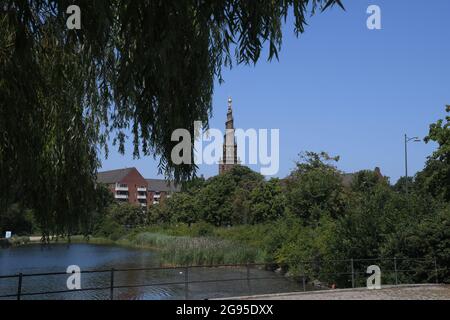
[
  {"x": 142, "y": 68},
  {"x": 315, "y": 186},
  {"x": 435, "y": 178}
]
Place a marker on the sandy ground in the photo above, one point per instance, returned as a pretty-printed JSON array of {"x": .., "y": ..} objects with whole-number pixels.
[{"x": 402, "y": 292}]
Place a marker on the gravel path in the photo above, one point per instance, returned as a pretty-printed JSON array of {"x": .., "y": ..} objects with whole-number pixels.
[{"x": 403, "y": 292}]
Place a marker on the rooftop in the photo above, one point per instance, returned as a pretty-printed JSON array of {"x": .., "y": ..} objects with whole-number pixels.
[
  {"x": 112, "y": 176},
  {"x": 155, "y": 185},
  {"x": 159, "y": 185}
]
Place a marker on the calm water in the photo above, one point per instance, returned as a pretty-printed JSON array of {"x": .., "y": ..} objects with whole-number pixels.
[{"x": 56, "y": 258}]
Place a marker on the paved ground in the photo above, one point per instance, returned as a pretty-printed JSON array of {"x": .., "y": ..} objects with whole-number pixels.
[{"x": 403, "y": 292}]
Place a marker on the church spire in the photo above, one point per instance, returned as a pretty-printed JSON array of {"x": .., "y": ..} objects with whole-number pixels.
[
  {"x": 229, "y": 123},
  {"x": 229, "y": 158}
]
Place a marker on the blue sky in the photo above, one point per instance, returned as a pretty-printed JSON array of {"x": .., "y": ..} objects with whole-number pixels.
[{"x": 343, "y": 88}]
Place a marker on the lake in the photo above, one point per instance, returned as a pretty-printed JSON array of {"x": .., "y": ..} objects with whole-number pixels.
[{"x": 38, "y": 258}]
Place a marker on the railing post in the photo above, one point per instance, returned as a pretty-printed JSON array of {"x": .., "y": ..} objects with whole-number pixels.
[
  {"x": 248, "y": 280},
  {"x": 353, "y": 274},
  {"x": 304, "y": 281},
  {"x": 304, "y": 276},
  {"x": 111, "y": 287},
  {"x": 19, "y": 287},
  {"x": 186, "y": 283},
  {"x": 395, "y": 270},
  {"x": 436, "y": 270}
]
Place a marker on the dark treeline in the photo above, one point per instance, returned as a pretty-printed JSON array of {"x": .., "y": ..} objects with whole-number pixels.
[{"x": 311, "y": 215}]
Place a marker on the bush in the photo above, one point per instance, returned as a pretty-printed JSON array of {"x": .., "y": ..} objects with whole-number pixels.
[
  {"x": 158, "y": 214},
  {"x": 127, "y": 214},
  {"x": 203, "y": 229},
  {"x": 267, "y": 202},
  {"x": 19, "y": 220},
  {"x": 315, "y": 187},
  {"x": 428, "y": 239},
  {"x": 221, "y": 201},
  {"x": 110, "y": 229}
]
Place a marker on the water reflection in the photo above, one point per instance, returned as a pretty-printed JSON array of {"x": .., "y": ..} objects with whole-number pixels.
[{"x": 159, "y": 283}]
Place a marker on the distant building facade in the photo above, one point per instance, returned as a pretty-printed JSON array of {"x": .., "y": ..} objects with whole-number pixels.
[
  {"x": 229, "y": 158},
  {"x": 159, "y": 190},
  {"x": 128, "y": 185}
]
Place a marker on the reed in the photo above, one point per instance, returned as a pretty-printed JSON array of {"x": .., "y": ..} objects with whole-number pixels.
[{"x": 184, "y": 250}]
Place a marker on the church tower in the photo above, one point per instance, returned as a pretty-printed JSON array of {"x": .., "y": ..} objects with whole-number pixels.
[{"x": 229, "y": 158}]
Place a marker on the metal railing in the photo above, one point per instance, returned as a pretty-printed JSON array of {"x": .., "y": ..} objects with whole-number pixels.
[{"x": 306, "y": 272}]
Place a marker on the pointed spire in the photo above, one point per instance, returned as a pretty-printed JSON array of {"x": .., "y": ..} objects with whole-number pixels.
[{"x": 229, "y": 123}]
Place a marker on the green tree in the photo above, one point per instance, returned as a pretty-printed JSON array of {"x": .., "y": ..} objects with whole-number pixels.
[
  {"x": 425, "y": 239},
  {"x": 48, "y": 137},
  {"x": 360, "y": 232},
  {"x": 372, "y": 217},
  {"x": 18, "y": 220},
  {"x": 305, "y": 247},
  {"x": 315, "y": 188},
  {"x": 400, "y": 185},
  {"x": 225, "y": 193},
  {"x": 240, "y": 206},
  {"x": 182, "y": 208},
  {"x": 158, "y": 214},
  {"x": 435, "y": 178},
  {"x": 127, "y": 214},
  {"x": 104, "y": 199},
  {"x": 110, "y": 229},
  {"x": 267, "y": 202},
  {"x": 364, "y": 181}
]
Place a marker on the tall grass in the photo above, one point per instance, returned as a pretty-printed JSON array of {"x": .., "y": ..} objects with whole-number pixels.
[{"x": 184, "y": 250}]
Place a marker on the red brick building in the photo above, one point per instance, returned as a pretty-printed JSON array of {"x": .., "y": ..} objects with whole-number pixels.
[
  {"x": 128, "y": 185},
  {"x": 158, "y": 190}
]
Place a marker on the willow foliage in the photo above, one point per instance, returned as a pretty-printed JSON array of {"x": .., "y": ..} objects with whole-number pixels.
[{"x": 141, "y": 67}]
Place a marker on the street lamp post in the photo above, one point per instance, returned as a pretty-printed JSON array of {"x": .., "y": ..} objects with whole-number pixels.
[{"x": 413, "y": 139}]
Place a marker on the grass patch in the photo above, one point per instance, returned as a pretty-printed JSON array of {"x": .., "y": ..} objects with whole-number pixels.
[{"x": 186, "y": 250}]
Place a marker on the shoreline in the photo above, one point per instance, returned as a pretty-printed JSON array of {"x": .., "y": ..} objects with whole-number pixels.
[
  {"x": 32, "y": 240},
  {"x": 171, "y": 254}
]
